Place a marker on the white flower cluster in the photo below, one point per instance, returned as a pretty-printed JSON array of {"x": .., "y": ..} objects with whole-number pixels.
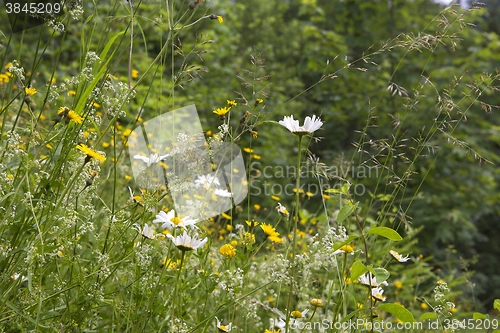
[
  {"x": 76, "y": 12},
  {"x": 231, "y": 281},
  {"x": 277, "y": 269},
  {"x": 17, "y": 70}
]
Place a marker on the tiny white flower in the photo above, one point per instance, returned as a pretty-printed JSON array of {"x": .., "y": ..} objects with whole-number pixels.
[
  {"x": 169, "y": 220},
  {"x": 223, "y": 193},
  {"x": 206, "y": 181},
  {"x": 186, "y": 242},
  {"x": 277, "y": 324},
  {"x": 310, "y": 125},
  {"x": 282, "y": 210},
  {"x": 377, "y": 294},
  {"x": 146, "y": 231},
  {"x": 223, "y": 328},
  {"x": 399, "y": 257},
  {"x": 365, "y": 279},
  {"x": 153, "y": 158}
]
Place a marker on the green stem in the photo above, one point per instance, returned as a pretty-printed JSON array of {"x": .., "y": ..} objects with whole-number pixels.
[
  {"x": 296, "y": 218},
  {"x": 315, "y": 308},
  {"x": 176, "y": 288}
]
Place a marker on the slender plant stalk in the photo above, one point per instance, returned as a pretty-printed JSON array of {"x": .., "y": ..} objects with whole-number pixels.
[{"x": 292, "y": 278}]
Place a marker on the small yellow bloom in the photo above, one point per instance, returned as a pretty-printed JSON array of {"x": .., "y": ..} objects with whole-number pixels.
[
  {"x": 226, "y": 216},
  {"x": 249, "y": 238},
  {"x": 309, "y": 194},
  {"x": 231, "y": 103},
  {"x": 72, "y": 115},
  {"x": 96, "y": 105},
  {"x": 128, "y": 177},
  {"x": 326, "y": 196},
  {"x": 90, "y": 153},
  {"x": 257, "y": 157},
  {"x": 220, "y": 19},
  {"x": 30, "y": 91},
  {"x": 248, "y": 150},
  {"x": 398, "y": 284},
  {"x": 72, "y": 92},
  {"x": 259, "y": 100},
  {"x": 424, "y": 306},
  {"x": 316, "y": 302},
  {"x": 252, "y": 224},
  {"x": 275, "y": 197},
  {"x": 49, "y": 146},
  {"x": 222, "y": 111},
  {"x": 257, "y": 207},
  {"x": 135, "y": 73},
  {"x": 227, "y": 250},
  {"x": 254, "y": 134}
]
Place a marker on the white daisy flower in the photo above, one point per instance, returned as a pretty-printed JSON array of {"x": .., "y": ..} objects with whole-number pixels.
[
  {"x": 377, "y": 294},
  {"x": 169, "y": 220},
  {"x": 277, "y": 324},
  {"x": 146, "y": 231},
  {"x": 152, "y": 159},
  {"x": 399, "y": 257},
  {"x": 223, "y": 328},
  {"x": 282, "y": 210},
  {"x": 186, "y": 242},
  {"x": 206, "y": 181},
  {"x": 365, "y": 279},
  {"x": 310, "y": 125},
  {"x": 223, "y": 193}
]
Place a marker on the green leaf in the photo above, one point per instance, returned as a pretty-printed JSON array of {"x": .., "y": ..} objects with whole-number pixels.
[
  {"x": 397, "y": 310},
  {"x": 344, "y": 213},
  {"x": 83, "y": 98},
  {"x": 385, "y": 232},
  {"x": 357, "y": 270},
  {"x": 345, "y": 188},
  {"x": 332, "y": 190},
  {"x": 427, "y": 315},
  {"x": 381, "y": 274},
  {"x": 496, "y": 304},
  {"x": 478, "y": 315}
]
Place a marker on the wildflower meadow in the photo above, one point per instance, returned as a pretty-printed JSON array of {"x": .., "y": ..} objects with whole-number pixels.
[{"x": 249, "y": 166}]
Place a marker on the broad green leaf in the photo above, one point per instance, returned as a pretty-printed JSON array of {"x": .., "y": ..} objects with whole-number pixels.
[
  {"x": 385, "y": 232},
  {"x": 345, "y": 188},
  {"x": 478, "y": 315},
  {"x": 332, "y": 190},
  {"x": 427, "y": 315},
  {"x": 357, "y": 270},
  {"x": 344, "y": 213},
  {"x": 397, "y": 310},
  {"x": 496, "y": 304},
  {"x": 382, "y": 274}
]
